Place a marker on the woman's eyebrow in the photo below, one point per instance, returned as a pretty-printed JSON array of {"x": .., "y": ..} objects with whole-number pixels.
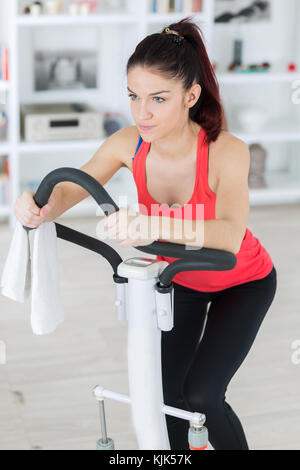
[{"x": 151, "y": 94}]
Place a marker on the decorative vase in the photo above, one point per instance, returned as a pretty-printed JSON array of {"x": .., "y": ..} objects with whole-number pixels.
[{"x": 256, "y": 178}]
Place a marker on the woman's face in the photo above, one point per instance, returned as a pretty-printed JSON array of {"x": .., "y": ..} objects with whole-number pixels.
[{"x": 165, "y": 111}]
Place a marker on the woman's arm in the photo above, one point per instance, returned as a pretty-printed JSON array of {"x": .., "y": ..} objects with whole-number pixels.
[{"x": 108, "y": 159}]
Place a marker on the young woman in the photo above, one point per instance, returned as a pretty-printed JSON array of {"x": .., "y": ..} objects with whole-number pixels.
[{"x": 183, "y": 158}]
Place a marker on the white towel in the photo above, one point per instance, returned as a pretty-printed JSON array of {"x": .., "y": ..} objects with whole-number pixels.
[
  {"x": 38, "y": 274},
  {"x": 16, "y": 276}
]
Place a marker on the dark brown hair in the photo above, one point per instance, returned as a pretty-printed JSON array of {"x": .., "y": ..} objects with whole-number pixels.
[{"x": 188, "y": 62}]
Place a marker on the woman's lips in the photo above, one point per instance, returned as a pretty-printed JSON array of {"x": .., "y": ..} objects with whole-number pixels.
[{"x": 146, "y": 128}]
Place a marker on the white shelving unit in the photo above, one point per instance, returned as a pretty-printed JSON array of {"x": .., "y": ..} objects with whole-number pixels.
[
  {"x": 122, "y": 31},
  {"x": 272, "y": 90}
]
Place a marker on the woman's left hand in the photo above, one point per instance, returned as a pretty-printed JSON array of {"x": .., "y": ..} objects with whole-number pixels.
[{"x": 130, "y": 228}]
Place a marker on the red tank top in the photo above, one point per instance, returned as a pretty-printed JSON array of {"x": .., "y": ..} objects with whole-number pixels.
[{"x": 253, "y": 261}]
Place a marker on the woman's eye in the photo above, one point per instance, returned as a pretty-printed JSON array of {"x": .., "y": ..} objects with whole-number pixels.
[
  {"x": 158, "y": 97},
  {"x": 130, "y": 96}
]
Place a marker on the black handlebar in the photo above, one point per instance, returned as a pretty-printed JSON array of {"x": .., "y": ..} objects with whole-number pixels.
[{"x": 189, "y": 260}]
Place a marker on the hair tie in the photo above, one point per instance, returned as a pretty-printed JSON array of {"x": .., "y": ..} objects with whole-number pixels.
[{"x": 178, "y": 39}]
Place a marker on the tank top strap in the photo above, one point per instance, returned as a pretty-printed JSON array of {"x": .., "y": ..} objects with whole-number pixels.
[
  {"x": 138, "y": 166},
  {"x": 138, "y": 146},
  {"x": 203, "y": 172}
]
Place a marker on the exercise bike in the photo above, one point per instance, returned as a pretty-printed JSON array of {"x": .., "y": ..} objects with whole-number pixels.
[{"x": 145, "y": 299}]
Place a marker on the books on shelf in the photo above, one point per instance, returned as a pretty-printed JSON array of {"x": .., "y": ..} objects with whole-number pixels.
[
  {"x": 175, "y": 6},
  {"x": 4, "y": 62},
  {"x": 4, "y": 181}
]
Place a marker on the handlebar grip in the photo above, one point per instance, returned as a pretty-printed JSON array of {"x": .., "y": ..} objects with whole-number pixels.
[
  {"x": 79, "y": 177},
  {"x": 211, "y": 261}
]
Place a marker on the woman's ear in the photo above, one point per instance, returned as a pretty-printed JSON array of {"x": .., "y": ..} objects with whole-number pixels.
[{"x": 193, "y": 95}]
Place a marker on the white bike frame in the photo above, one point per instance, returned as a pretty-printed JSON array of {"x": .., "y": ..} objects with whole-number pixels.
[{"x": 148, "y": 312}]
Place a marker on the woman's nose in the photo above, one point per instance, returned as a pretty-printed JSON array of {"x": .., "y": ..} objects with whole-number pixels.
[{"x": 144, "y": 113}]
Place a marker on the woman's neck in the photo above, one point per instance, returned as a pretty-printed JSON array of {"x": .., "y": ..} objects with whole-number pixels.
[{"x": 179, "y": 144}]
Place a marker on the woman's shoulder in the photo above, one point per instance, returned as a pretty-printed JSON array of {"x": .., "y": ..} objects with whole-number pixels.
[
  {"x": 227, "y": 144},
  {"x": 228, "y": 151},
  {"x": 130, "y": 137},
  {"x": 225, "y": 139}
]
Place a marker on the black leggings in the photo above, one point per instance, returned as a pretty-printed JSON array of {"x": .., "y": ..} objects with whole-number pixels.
[{"x": 196, "y": 373}]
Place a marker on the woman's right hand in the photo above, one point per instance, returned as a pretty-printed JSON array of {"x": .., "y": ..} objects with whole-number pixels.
[{"x": 27, "y": 211}]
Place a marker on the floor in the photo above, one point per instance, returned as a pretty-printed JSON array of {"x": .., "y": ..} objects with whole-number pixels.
[{"x": 46, "y": 399}]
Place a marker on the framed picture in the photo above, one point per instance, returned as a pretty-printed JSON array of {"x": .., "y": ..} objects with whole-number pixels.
[{"x": 65, "y": 70}]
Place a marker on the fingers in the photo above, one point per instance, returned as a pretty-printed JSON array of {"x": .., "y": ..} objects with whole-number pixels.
[
  {"x": 35, "y": 210},
  {"x": 30, "y": 220},
  {"x": 27, "y": 211}
]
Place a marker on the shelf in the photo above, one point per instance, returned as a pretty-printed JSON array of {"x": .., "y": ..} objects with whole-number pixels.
[
  {"x": 61, "y": 146},
  {"x": 260, "y": 77},
  {"x": 281, "y": 188},
  {"x": 64, "y": 20},
  {"x": 275, "y": 131},
  {"x": 61, "y": 96}
]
